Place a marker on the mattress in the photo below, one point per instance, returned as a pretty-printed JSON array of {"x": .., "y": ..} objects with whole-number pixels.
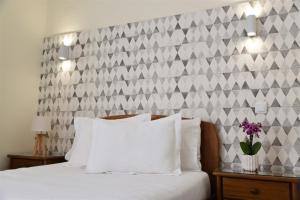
[{"x": 60, "y": 182}]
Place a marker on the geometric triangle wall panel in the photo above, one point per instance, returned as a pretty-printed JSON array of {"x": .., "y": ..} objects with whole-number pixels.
[{"x": 200, "y": 63}]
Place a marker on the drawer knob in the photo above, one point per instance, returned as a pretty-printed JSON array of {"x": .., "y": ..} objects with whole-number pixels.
[{"x": 254, "y": 191}]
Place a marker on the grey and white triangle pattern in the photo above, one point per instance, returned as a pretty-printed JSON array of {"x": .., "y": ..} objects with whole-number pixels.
[{"x": 201, "y": 63}]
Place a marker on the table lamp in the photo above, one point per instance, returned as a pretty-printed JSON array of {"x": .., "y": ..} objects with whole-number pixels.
[{"x": 41, "y": 126}]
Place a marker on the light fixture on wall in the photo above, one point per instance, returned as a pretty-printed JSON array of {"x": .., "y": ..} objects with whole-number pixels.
[
  {"x": 63, "y": 53},
  {"x": 251, "y": 25}
]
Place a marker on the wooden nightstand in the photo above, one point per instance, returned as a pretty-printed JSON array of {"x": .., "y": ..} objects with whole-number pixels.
[
  {"x": 261, "y": 185},
  {"x": 29, "y": 160}
]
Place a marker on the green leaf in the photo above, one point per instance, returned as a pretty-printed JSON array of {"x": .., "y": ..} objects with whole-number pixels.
[
  {"x": 256, "y": 147},
  {"x": 245, "y": 148}
]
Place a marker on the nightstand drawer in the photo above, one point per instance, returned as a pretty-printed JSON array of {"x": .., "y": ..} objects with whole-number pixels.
[
  {"x": 28, "y": 160},
  {"x": 235, "y": 188},
  {"x": 20, "y": 163}
]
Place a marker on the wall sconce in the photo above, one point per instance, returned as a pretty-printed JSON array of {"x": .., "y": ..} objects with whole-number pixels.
[
  {"x": 251, "y": 25},
  {"x": 63, "y": 53}
]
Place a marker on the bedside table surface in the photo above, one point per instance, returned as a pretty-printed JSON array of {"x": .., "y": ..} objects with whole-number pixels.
[
  {"x": 258, "y": 175},
  {"x": 35, "y": 157}
]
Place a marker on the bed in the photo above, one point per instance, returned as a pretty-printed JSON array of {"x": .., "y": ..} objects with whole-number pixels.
[{"x": 60, "y": 182}]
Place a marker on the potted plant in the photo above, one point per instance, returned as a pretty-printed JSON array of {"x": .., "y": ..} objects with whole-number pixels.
[{"x": 250, "y": 150}]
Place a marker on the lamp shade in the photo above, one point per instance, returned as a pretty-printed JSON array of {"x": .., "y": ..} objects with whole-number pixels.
[
  {"x": 41, "y": 124},
  {"x": 63, "y": 53}
]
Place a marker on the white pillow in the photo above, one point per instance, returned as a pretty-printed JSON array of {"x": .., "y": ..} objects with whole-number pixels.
[
  {"x": 148, "y": 147},
  {"x": 178, "y": 127},
  {"x": 190, "y": 147},
  {"x": 82, "y": 141},
  {"x": 68, "y": 154}
]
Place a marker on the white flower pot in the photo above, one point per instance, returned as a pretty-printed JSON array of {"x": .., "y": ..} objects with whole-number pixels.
[{"x": 250, "y": 163}]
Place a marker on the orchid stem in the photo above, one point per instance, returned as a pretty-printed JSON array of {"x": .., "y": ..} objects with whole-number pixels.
[{"x": 251, "y": 144}]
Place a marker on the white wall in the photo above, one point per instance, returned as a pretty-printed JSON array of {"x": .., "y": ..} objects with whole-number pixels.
[
  {"x": 1, "y": 56},
  {"x": 72, "y": 15},
  {"x": 21, "y": 33}
]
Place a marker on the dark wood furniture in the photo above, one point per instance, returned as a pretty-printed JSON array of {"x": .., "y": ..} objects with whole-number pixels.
[
  {"x": 210, "y": 147},
  {"x": 29, "y": 160},
  {"x": 264, "y": 186}
]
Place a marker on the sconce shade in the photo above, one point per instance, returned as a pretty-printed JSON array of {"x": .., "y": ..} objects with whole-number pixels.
[
  {"x": 251, "y": 25},
  {"x": 41, "y": 124},
  {"x": 63, "y": 53}
]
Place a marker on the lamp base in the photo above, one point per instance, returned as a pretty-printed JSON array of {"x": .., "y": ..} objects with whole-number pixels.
[{"x": 40, "y": 148}]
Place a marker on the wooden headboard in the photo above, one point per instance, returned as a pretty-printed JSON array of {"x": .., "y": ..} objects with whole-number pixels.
[{"x": 210, "y": 146}]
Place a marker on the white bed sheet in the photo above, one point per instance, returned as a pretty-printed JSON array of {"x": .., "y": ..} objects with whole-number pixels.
[{"x": 63, "y": 183}]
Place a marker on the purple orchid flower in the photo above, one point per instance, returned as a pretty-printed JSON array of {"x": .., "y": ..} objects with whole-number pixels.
[{"x": 251, "y": 128}]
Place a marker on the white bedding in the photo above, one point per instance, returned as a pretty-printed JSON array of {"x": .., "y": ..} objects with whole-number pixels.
[{"x": 60, "y": 182}]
